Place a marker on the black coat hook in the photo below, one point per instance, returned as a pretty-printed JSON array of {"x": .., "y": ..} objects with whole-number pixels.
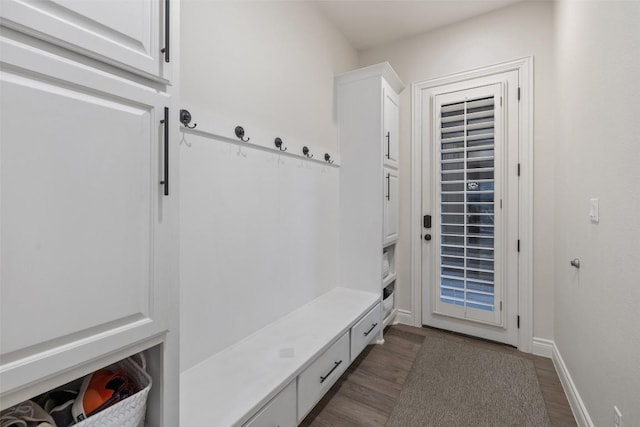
[
  {"x": 185, "y": 119},
  {"x": 240, "y": 134},
  {"x": 278, "y": 143},
  {"x": 305, "y": 151},
  {"x": 327, "y": 158}
]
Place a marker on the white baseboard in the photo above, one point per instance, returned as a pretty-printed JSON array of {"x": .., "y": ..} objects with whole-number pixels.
[
  {"x": 542, "y": 347},
  {"x": 404, "y": 317},
  {"x": 580, "y": 412}
]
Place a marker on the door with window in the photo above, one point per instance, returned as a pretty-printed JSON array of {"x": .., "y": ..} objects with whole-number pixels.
[{"x": 470, "y": 203}]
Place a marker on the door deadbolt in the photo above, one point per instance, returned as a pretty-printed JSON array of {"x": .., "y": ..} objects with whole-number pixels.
[{"x": 427, "y": 237}]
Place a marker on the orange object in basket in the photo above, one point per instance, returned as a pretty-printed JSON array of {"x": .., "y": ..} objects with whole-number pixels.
[{"x": 97, "y": 392}]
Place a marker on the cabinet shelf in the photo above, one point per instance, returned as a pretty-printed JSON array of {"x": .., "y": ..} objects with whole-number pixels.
[
  {"x": 392, "y": 242},
  {"x": 390, "y": 318},
  {"x": 388, "y": 279}
]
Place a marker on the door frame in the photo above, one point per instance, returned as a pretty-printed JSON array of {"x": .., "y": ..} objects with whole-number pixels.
[{"x": 419, "y": 90}]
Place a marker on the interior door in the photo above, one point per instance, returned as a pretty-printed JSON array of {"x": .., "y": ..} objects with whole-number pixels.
[{"x": 470, "y": 192}]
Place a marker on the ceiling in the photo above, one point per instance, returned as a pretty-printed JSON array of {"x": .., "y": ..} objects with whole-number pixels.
[{"x": 371, "y": 23}]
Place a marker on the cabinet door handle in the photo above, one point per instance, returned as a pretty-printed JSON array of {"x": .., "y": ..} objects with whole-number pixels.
[
  {"x": 388, "y": 186},
  {"x": 335, "y": 366},
  {"x": 167, "y": 31},
  {"x": 372, "y": 328},
  {"x": 165, "y": 123},
  {"x": 388, "y": 145}
]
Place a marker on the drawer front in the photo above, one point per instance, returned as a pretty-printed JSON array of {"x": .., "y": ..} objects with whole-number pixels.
[
  {"x": 318, "y": 378},
  {"x": 279, "y": 412},
  {"x": 365, "y": 330}
]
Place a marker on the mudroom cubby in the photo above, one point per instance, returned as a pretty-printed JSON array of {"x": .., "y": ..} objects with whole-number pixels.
[
  {"x": 389, "y": 264},
  {"x": 138, "y": 374}
]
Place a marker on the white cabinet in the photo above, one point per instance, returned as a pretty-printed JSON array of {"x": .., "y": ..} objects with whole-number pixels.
[
  {"x": 368, "y": 121},
  {"x": 318, "y": 378},
  {"x": 391, "y": 205},
  {"x": 365, "y": 330},
  {"x": 279, "y": 412},
  {"x": 80, "y": 207},
  {"x": 88, "y": 236},
  {"x": 310, "y": 346},
  {"x": 128, "y": 34},
  {"x": 391, "y": 130}
]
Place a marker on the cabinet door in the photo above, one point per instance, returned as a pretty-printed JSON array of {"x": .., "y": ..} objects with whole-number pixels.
[
  {"x": 391, "y": 127},
  {"x": 82, "y": 214},
  {"x": 391, "y": 205},
  {"x": 125, "y": 33}
]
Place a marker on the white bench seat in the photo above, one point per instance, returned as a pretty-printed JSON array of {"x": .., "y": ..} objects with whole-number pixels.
[{"x": 228, "y": 388}]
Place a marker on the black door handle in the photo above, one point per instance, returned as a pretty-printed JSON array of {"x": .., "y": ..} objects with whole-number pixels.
[
  {"x": 388, "y": 145},
  {"x": 167, "y": 31},
  {"x": 165, "y": 123},
  {"x": 427, "y": 237},
  {"x": 388, "y": 186}
]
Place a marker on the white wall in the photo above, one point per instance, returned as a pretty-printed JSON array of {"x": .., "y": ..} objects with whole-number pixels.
[
  {"x": 267, "y": 64},
  {"x": 510, "y": 33},
  {"x": 597, "y": 152},
  {"x": 258, "y": 230}
]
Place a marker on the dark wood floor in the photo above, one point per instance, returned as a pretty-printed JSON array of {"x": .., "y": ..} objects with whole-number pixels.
[{"x": 367, "y": 392}]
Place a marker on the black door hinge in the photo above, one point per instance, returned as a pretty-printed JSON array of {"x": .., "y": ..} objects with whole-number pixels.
[
  {"x": 518, "y": 245},
  {"x": 518, "y": 94},
  {"x": 518, "y": 169},
  {"x": 518, "y": 321}
]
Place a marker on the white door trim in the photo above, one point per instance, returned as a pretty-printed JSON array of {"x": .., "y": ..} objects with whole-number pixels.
[{"x": 524, "y": 67}]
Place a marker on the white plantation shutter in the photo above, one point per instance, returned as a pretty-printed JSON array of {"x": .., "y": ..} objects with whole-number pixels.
[{"x": 467, "y": 206}]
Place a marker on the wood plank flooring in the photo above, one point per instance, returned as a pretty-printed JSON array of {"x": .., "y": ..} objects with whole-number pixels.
[{"x": 367, "y": 392}]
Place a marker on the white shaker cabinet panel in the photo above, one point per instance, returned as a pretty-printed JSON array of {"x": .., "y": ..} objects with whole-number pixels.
[
  {"x": 125, "y": 33},
  {"x": 391, "y": 205},
  {"x": 391, "y": 127},
  {"x": 280, "y": 411},
  {"x": 363, "y": 332},
  {"x": 81, "y": 213},
  {"x": 320, "y": 375}
]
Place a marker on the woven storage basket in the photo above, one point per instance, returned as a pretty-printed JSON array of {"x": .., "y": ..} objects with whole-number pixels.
[{"x": 131, "y": 411}]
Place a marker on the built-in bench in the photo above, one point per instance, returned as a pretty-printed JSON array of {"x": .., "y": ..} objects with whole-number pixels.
[{"x": 276, "y": 375}]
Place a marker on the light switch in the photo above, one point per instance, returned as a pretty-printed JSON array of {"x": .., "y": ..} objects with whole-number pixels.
[{"x": 594, "y": 209}]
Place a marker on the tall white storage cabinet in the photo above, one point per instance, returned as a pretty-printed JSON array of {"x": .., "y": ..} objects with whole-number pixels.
[
  {"x": 88, "y": 202},
  {"x": 368, "y": 120}
]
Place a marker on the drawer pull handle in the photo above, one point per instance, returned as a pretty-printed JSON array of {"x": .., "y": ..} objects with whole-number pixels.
[
  {"x": 388, "y": 136},
  {"x": 167, "y": 32},
  {"x": 372, "y": 328},
  {"x": 165, "y": 123},
  {"x": 335, "y": 366},
  {"x": 388, "y": 186}
]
